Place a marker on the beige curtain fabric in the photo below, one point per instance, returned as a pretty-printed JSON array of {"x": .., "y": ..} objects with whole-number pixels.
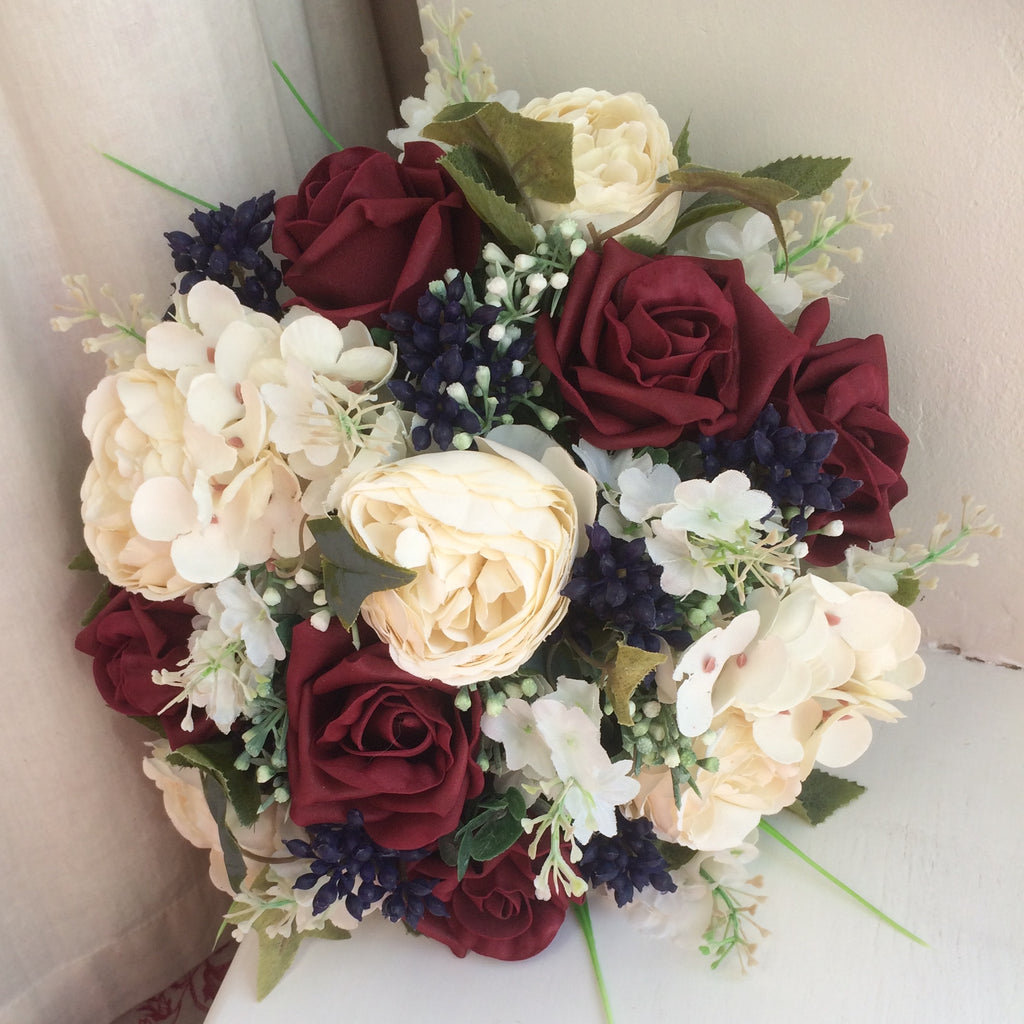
[{"x": 103, "y": 903}]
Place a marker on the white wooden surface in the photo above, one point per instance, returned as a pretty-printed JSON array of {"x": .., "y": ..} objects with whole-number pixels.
[{"x": 936, "y": 841}]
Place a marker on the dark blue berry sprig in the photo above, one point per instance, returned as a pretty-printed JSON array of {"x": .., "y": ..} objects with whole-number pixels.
[
  {"x": 226, "y": 248},
  {"x": 785, "y": 463},
  {"x": 617, "y": 584},
  {"x": 459, "y": 381},
  {"x": 363, "y": 873},
  {"x": 626, "y": 862}
]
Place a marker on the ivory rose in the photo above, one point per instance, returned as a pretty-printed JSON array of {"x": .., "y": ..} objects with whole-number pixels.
[
  {"x": 620, "y": 147},
  {"x": 492, "y": 536}
]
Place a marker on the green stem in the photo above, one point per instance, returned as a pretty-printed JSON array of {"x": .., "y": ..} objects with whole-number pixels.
[
  {"x": 582, "y": 911},
  {"x": 793, "y": 848},
  {"x": 305, "y": 106},
  {"x": 157, "y": 181}
]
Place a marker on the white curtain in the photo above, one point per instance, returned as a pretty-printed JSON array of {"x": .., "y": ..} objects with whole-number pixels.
[{"x": 103, "y": 903}]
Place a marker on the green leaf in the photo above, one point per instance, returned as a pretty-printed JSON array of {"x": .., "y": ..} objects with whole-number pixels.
[
  {"x": 491, "y": 831},
  {"x": 217, "y": 801},
  {"x": 275, "y": 957},
  {"x": 822, "y": 794},
  {"x": 627, "y": 672},
  {"x": 219, "y": 758},
  {"x": 101, "y": 602},
  {"x": 494, "y": 210},
  {"x": 908, "y": 588},
  {"x": 641, "y": 244},
  {"x": 808, "y": 176},
  {"x": 524, "y": 157},
  {"x": 351, "y": 573},
  {"x": 759, "y": 193},
  {"x": 332, "y": 932},
  {"x": 83, "y": 562},
  {"x": 681, "y": 150}
]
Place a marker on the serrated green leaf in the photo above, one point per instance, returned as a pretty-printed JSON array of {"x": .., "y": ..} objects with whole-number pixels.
[
  {"x": 219, "y": 757},
  {"x": 83, "y": 562},
  {"x": 808, "y": 176},
  {"x": 494, "y": 210},
  {"x": 275, "y": 957},
  {"x": 217, "y": 801},
  {"x": 464, "y": 856},
  {"x": 626, "y": 673},
  {"x": 351, "y": 573},
  {"x": 525, "y": 158},
  {"x": 759, "y": 193},
  {"x": 640, "y": 244},
  {"x": 502, "y": 833},
  {"x": 822, "y": 794},
  {"x": 681, "y": 150}
]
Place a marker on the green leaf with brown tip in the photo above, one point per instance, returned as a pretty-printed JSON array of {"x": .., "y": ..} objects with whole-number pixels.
[
  {"x": 494, "y": 210},
  {"x": 525, "y": 158},
  {"x": 761, "y": 194},
  {"x": 629, "y": 669},
  {"x": 351, "y": 573}
]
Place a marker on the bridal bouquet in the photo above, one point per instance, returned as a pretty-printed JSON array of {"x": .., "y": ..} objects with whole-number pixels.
[{"x": 489, "y": 525}]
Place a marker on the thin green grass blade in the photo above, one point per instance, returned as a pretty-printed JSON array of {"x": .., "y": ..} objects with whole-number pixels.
[
  {"x": 162, "y": 184},
  {"x": 305, "y": 106},
  {"x": 793, "y": 848},
  {"x": 582, "y": 912}
]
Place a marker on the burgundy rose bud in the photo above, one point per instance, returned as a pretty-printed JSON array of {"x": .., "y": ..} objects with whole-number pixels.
[
  {"x": 130, "y": 639},
  {"x": 365, "y": 234},
  {"x": 494, "y": 910},
  {"x": 844, "y": 386},
  {"x": 650, "y": 351},
  {"x": 364, "y": 735}
]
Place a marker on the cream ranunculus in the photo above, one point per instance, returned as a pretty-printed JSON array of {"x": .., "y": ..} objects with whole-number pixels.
[
  {"x": 620, "y": 147},
  {"x": 492, "y": 537}
]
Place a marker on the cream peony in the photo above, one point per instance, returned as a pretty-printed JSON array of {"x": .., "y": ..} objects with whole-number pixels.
[
  {"x": 186, "y": 806},
  {"x": 492, "y": 536},
  {"x": 620, "y": 147}
]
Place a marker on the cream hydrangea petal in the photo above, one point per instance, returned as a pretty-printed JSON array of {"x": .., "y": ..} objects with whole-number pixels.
[
  {"x": 212, "y": 402},
  {"x": 313, "y": 341},
  {"x": 171, "y": 346},
  {"x": 844, "y": 737},
  {"x": 212, "y": 307},
  {"x": 163, "y": 508},
  {"x": 205, "y": 555}
]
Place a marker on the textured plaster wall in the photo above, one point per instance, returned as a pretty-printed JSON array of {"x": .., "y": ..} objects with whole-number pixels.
[{"x": 927, "y": 98}]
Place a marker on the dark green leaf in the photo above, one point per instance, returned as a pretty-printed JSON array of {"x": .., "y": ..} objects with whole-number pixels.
[
  {"x": 216, "y": 800},
  {"x": 351, "y": 573},
  {"x": 101, "y": 602},
  {"x": 219, "y": 758},
  {"x": 525, "y": 157},
  {"x": 822, "y": 794},
  {"x": 502, "y": 833},
  {"x": 808, "y": 176},
  {"x": 494, "y": 210},
  {"x": 681, "y": 150},
  {"x": 83, "y": 562}
]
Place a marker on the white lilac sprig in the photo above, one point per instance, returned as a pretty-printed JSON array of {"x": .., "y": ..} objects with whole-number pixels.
[{"x": 124, "y": 338}]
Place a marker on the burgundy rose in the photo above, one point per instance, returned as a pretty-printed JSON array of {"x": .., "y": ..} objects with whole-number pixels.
[
  {"x": 494, "y": 910},
  {"x": 844, "y": 386},
  {"x": 651, "y": 351},
  {"x": 128, "y": 640},
  {"x": 365, "y": 234},
  {"x": 365, "y": 735}
]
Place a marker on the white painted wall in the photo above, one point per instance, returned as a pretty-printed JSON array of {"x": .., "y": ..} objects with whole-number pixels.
[{"x": 927, "y": 98}]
